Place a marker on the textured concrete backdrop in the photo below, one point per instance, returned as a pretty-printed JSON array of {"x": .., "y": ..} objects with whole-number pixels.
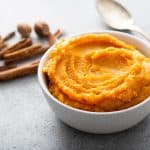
[{"x": 26, "y": 121}]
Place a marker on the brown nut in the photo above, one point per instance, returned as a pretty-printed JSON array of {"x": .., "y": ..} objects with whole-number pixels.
[
  {"x": 24, "y": 29},
  {"x": 42, "y": 29}
]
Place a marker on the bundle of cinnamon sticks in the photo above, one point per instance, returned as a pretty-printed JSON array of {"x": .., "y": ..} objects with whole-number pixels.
[{"x": 24, "y": 49}]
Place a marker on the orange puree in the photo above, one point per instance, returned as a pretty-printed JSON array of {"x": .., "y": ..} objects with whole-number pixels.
[{"x": 98, "y": 72}]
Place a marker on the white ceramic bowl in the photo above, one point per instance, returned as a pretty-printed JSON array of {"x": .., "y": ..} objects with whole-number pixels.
[{"x": 98, "y": 122}]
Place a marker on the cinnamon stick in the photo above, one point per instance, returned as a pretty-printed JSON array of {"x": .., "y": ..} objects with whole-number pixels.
[
  {"x": 35, "y": 62},
  {"x": 3, "y": 46},
  {"x": 6, "y": 67},
  {"x": 51, "y": 39},
  {"x": 1, "y": 42},
  {"x": 24, "y": 53},
  {"x": 21, "y": 44},
  {"x": 9, "y": 36},
  {"x": 19, "y": 71},
  {"x": 58, "y": 33}
]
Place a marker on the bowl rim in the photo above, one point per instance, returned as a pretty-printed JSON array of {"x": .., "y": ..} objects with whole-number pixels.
[{"x": 45, "y": 89}]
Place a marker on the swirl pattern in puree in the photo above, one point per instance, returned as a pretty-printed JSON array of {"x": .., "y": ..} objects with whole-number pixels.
[{"x": 98, "y": 72}]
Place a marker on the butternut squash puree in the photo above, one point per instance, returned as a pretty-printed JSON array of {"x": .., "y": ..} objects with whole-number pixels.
[{"x": 98, "y": 72}]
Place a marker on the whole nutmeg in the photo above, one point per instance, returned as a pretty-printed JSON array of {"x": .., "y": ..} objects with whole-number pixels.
[
  {"x": 24, "y": 29},
  {"x": 42, "y": 29}
]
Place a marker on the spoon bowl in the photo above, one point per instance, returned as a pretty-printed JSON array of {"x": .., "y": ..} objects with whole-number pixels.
[{"x": 116, "y": 16}]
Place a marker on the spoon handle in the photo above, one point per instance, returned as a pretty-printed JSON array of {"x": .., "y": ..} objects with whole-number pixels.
[{"x": 140, "y": 31}]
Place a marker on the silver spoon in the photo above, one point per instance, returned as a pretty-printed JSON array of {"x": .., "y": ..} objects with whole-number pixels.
[{"x": 117, "y": 16}]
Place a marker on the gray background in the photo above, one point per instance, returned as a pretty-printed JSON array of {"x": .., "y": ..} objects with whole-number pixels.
[{"x": 26, "y": 121}]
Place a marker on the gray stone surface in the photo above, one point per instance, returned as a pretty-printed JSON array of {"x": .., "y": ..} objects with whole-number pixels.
[{"x": 26, "y": 121}]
